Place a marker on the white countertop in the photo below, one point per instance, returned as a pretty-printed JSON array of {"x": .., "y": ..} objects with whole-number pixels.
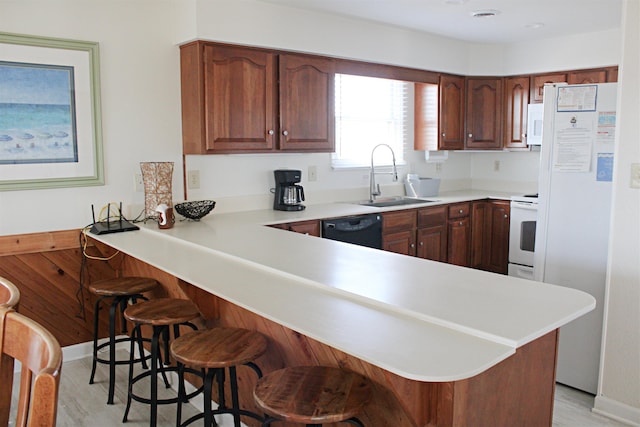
[{"x": 419, "y": 319}]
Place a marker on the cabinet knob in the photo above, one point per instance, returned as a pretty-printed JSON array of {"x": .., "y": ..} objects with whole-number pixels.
[
  {"x": 443, "y": 134},
  {"x": 413, "y": 245},
  {"x": 524, "y": 135},
  {"x": 421, "y": 243},
  {"x": 460, "y": 222},
  {"x": 285, "y": 132},
  {"x": 271, "y": 132},
  {"x": 470, "y": 135},
  {"x": 460, "y": 211},
  {"x": 506, "y": 216}
]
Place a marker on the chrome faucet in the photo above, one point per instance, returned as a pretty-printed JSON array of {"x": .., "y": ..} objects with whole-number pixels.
[{"x": 374, "y": 189}]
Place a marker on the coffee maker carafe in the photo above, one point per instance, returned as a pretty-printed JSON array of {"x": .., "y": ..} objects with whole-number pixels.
[{"x": 288, "y": 194}]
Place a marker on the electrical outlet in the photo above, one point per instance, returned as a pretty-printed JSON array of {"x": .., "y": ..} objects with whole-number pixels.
[
  {"x": 635, "y": 175},
  {"x": 496, "y": 166},
  {"x": 193, "y": 179},
  {"x": 138, "y": 184},
  {"x": 438, "y": 167},
  {"x": 312, "y": 174}
]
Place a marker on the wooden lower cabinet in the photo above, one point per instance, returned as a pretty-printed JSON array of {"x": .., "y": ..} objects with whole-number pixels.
[
  {"x": 490, "y": 235},
  {"x": 459, "y": 234},
  {"x": 432, "y": 233},
  {"x": 399, "y": 232},
  {"x": 470, "y": 234},
  {"x": 311, "y": 228},
  {"x": 401, "y": 242}
]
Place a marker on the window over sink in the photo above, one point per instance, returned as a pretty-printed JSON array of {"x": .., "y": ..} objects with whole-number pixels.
[{"x": 369, "y": 111}]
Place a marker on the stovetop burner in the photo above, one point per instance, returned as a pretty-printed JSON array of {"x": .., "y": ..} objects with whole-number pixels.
[{"x": 531, "y": 198}]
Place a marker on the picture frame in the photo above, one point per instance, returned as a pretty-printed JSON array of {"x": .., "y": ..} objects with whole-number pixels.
[{"x": 50, "y": 116}]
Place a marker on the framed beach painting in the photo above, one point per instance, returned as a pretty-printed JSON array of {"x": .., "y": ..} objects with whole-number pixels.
[{"x": 50, "y": 126}]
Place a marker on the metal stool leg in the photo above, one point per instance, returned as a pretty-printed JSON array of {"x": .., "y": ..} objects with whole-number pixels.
[
  {"x": 96, "y": 323},
  {"x": 136, "y": 332},
  {"x": 112, "y": 350}
]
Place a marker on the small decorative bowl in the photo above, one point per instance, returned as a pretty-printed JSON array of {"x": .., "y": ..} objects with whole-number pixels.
[{"x": 195, "y": 210}]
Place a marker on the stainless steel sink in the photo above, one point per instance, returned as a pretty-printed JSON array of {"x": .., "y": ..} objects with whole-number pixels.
[{"x": 394, "y": 201}]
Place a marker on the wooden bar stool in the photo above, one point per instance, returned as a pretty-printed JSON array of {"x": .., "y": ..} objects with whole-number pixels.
[
  {"x": 121, "y": 291},
  {"x": 313, "y": 395},
  {"x": 161, "y": 314},
  {"x": 213, "y": 351}
]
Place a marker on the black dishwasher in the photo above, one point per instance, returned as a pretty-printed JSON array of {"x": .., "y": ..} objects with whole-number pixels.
[{"x": 363, "y": 230}]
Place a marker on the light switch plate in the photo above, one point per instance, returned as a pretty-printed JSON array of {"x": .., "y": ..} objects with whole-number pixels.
[
  {"x": 193, "y": 179},
  {"x": 635, "y": 175}
]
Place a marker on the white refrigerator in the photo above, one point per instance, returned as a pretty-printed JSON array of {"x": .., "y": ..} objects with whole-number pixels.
[{"x": 572, "y": 229}]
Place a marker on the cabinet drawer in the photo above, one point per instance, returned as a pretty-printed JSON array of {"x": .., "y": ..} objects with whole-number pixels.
[
  {"x": 459, "y": 210},
  {"x": 431, "y": 217},
  {"x": 401, "y": 220}
]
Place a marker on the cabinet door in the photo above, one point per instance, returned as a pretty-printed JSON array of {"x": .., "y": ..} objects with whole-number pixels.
[
  {"x": 517, "y": 100},
  {"x": 432, "y": 233},
  {"x": 239, "y": 95},
  {"x": 497, "y": 259},
  {"x": 480, "y": 233},
  {"x": 588, "y": 77},
  {"x": 484, "y": 113},
  {"x": 451, "y": 113},
  {"x": 458, "y": 242},
  {"x": 538, "y": 82},
  {"x": 312, "y": 228},
  {"x": 401, "y": 242},
  {"x": 490, "y": 235},
  {"x": 307, "y": 106},
  {"x": 432, "y": 243}
]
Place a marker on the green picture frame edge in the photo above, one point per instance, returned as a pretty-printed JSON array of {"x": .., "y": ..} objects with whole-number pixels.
[{"x": 93, "y": 50}]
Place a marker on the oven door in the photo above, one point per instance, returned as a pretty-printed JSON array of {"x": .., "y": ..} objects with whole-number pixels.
[{"x": 522, "y": 232}]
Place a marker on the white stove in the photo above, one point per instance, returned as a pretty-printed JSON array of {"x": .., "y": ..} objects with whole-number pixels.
[{"x": 522, "y": 235}]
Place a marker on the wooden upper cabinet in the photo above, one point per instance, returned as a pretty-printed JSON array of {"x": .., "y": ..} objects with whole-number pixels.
[
  {"x": 601, "y": 75},
  {"x": 452, "y": 113},
  {"x": 484, "y": 113},
  {"x": 516, "y": 103},
  {"x": 239, "y": 97},
  {"x": 307, "y": 103},
  {"x": 538, "y": 82}
]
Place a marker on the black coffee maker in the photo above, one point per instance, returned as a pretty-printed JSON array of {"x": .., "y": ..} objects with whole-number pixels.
[{"x": 288, "y": 194}]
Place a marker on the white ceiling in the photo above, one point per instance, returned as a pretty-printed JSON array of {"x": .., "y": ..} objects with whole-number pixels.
[{"x": 453, "y": 18}]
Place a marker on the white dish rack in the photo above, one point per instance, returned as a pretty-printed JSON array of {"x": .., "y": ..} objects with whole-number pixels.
[{"x": 416, "y": 186}]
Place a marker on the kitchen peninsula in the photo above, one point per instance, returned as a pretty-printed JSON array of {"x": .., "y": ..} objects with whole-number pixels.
[{"x": 444, "y": 345}]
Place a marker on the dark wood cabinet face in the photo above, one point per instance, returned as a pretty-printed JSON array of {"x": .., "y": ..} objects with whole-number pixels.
[
  {"x": 490, "y": 221},
  {"x": 538, "y": 82},
  {"x": 484, "y": 113},
  {"x": 451, "y": 113},
  {"x": 239, "y": 99},
  {"x": 516, "y": 104},
  {"x": 432, "y": 233},
  {"x": 307, "y": 103}
]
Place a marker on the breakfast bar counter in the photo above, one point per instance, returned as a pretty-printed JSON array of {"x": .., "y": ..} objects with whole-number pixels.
[{"x": 445, "y": 345}]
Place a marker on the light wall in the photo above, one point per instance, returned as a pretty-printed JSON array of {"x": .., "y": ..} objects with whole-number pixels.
[
  {"x": 619, "y": 386},
  {"x": 140, "y": 77}
]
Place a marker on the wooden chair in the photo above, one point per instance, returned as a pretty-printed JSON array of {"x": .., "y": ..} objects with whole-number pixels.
[
  {"x": 40, "y": 355},
  {"x": 9, "y": 293}
]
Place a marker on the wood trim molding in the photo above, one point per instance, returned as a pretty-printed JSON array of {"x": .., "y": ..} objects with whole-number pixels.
[{"x": 18, "y": 244}]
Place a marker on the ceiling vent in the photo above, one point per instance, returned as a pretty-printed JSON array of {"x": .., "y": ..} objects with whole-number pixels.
[{"x": 488, "y": 13}]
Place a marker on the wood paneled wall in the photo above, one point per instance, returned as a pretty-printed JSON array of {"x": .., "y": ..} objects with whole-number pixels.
[{"x": 46, "y": 267}]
